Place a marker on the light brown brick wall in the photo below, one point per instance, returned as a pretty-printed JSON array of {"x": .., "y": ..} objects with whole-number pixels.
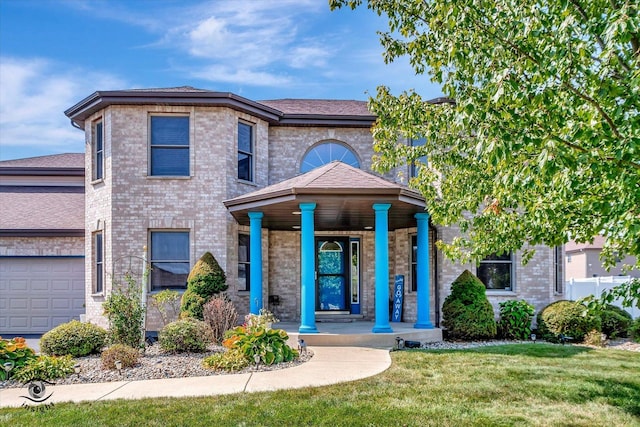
[{"x": 41, "y": 246}]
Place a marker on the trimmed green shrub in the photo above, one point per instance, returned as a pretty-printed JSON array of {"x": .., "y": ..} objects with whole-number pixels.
[
  {"x": 615, "y": 322},
  {"x": 16, "y": 352},
  {"x": 125, "y": 313},
  {"x": 188, "y": 335},
  {"x": 230, "y": 360},
  {"x": 192, "y": 305},
  {"x": 124, "y": 353},
  {"x": 515, "y": 319},
  {"x": 568, "y": 318},
  {"x": 45, "y": 368},
  {"x": 205, "y": 280},
  {"x": 73, "y": 338},
  {"x": 634, "y": 330},
  {"x": 466, "y": 312}
]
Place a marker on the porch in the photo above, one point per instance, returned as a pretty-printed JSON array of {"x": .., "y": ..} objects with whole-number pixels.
[{"x": 358, "y": 334}]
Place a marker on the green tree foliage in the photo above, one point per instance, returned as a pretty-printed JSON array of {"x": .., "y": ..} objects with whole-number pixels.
[
  {"x": 205, "y": 280},
  {"x": 542, "y": 143},
  {"x": 466, "y": 312},
  {"x": 125, "y": 313}
]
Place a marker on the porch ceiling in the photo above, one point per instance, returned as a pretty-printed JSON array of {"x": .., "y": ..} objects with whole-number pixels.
[{"x": 344, "y": 196}]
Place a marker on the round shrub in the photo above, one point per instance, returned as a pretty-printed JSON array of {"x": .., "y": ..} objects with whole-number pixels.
[
  {"x": 185, "y": 336},
  {"x": 231, "y": 360},
  {"x": 73, "y": 338},
  {"x": 124, "y": 353},
  {"x": 467, "y": 313},
  {"x": 615, "y": 322},
  {"x": 568, "y": 318}
]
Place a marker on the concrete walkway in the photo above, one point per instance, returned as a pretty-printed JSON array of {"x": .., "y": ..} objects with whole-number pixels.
[{"x": 329, "y": 365}]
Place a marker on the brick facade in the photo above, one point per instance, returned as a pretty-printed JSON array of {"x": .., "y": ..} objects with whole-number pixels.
[{"x": 128, "y": 203}]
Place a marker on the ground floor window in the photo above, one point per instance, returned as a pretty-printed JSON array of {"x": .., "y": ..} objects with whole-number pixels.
[
  {"x": 98, "y": 248},
  {"x": 169, "y": 259},
  {"x": 496, "y": 272},
  {"x": 244, "y": 273},
  {"x": 355, "y": 271}
]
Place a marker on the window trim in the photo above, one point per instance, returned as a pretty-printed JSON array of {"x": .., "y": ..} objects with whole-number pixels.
[
  {"x": 97, "y": 156},
  {"x": 246, "y": 263},
  {"x": 413, "y": 167},
  {"x": 413, "y": 262},
  {"x": 150, "y": 146},
  {"x": 98, "y": 262},
  {"x": 250, "y": 154},
  {"x": 512, "y": 273},
  {"x": 346, "y": 146},
  {"x": 152, "y": 261}
]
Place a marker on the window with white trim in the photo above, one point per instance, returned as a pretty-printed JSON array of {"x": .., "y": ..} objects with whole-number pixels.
[
  {"x": 414, "y": 167},
  {"x": 169, "y": 259},
  {"x": 496, "y": 272},
  {"x": 169, "y": 145},
  {"x": 245, "y": 151},
  {"x": 98, "y": 258},
  {"x": 244, "y": 270},
  {"x": 327, "y": 152},
  {"x": 97, "y": 150}
]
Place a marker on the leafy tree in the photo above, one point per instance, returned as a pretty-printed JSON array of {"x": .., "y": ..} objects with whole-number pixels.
[{"x": 542, "y": 143}]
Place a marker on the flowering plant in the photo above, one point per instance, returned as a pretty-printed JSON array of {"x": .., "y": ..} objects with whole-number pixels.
[{"x": 15, "y": 353}]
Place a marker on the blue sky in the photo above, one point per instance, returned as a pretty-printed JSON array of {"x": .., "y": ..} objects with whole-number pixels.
[{"x": 53, "y": 53}]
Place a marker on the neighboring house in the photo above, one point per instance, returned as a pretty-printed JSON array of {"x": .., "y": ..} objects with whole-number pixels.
[
  {"x": 41, "y": 242},
  {"x": 582, "y": 260},
  {"x": 183, "y": 171}
]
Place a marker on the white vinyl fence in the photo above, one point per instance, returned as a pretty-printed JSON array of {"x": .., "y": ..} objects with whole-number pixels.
[{"x": 580, "y": 288}]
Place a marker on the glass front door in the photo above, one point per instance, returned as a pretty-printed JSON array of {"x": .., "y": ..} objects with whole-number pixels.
[{"x": 332, "y": 267}]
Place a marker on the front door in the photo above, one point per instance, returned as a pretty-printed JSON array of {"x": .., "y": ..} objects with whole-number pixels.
[{"x": 332, "y": 267}]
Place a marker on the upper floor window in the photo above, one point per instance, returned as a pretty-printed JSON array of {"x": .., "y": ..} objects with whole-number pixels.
[
  {"x": 327, "y": 152},
  {"x": 97, "y": 150},
  {"x": 414, "y": 167},
  {"x": 169, "y": 259},
  {"x": 169, "y": 145},
  {"x": 496, "y": 272},
  {"x": 245, "y": 151}
]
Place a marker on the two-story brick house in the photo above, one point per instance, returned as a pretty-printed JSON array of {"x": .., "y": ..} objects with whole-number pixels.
[{"x": 184, "y": 171}]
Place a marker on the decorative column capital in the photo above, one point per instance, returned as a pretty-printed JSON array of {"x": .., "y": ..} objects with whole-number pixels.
[
  {"x": 307, "y": 206},
  {"x": 422, "y": 216},
  {"x": 381, "y": 206},
  {"x": 255, "y": 215}
]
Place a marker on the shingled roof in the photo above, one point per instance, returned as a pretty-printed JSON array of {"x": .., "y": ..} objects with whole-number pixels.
[
  {"x": 319, "y": 106},
  {"x": 65, "y": 161},
  {"x": 344, "y": 196},
  {"x": 35, "y": 202}
]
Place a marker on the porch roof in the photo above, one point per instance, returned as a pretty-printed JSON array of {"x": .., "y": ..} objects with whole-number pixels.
[{"x": 344, "y": 196}]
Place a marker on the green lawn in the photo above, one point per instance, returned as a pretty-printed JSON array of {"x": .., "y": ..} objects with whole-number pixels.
[{"x": 520, "y": 384}]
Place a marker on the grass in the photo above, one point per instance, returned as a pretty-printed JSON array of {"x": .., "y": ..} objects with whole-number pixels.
[{"x": 520, "y": 384}]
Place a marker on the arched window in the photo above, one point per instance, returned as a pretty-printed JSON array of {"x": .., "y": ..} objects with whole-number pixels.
[{"x": 327, "y": 152}]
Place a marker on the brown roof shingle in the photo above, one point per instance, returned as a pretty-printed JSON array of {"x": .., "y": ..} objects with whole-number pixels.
[
  {"x": 41, "y": 209},
  {"x": 331, "y": 107},
  {"x": 66, "y": 160}
]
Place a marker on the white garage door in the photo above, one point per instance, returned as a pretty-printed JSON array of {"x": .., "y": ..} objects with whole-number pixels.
[{"x": 37, "y": 294}]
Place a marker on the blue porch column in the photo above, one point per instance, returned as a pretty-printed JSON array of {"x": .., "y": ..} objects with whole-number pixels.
[
  {"x": 307, "y": 270},
  {"x": 423, "y": 274},
  {"x": 255, "y": 261},
  {"x": 382, "y": 268}
]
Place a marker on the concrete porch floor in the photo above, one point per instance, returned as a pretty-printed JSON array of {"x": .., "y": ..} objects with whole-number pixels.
[{"x": 358, "y": 334}]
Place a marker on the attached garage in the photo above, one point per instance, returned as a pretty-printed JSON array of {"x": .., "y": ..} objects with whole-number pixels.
[
  {"x": 41, "y": 242},
  {"x": 39, "y": 293}
]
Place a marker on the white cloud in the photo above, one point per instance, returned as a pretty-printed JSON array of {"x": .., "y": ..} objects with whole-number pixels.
[{"x": 34, "y": 93}]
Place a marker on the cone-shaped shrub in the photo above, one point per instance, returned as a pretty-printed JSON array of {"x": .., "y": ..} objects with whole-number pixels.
[
  {"x": 205, "y": 280},
  {"x": 466, "y": 312}
]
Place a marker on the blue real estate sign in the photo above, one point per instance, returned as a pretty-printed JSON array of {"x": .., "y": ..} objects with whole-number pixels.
[{"x": 398, "y": 295}]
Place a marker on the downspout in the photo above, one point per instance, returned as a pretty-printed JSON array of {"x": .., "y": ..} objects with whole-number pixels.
[{"x": 436, "y": 299}]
